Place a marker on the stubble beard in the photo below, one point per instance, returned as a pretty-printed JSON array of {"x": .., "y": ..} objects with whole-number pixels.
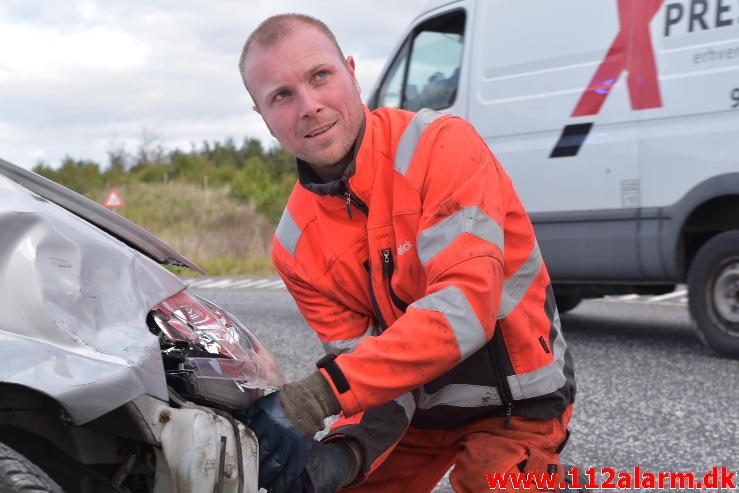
[{"x": 331, "y": 167}]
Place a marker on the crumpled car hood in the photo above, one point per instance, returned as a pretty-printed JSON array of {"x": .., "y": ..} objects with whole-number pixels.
[
  {"x": 110, "y": 222},
  {"x": 73, "y": 305}
]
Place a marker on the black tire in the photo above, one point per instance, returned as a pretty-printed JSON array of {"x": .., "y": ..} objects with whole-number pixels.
[
  {"x": 713, "y": 287},
  {"x": 20, "y": 475},
  {"x": 567, "y": 302}
]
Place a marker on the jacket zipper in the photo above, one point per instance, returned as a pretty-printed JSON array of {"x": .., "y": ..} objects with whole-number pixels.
[
  {"x": 373, "y": 299},
  {"x": 388, "y": 268},
  {"x": 505, "y": 395},
  {"x": 353, "y": 199},
  {"x": 504, "y": 390}
]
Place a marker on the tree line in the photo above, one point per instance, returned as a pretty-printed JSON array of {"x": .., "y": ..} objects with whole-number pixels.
[{"x": 250, "y": 172}]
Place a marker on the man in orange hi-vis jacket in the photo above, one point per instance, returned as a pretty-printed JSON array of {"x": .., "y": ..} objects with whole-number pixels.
[{"x": 409, "y": 253}]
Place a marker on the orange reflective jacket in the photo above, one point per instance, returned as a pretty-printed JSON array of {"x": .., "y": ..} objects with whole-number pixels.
[{"x": 421, "y": 275}]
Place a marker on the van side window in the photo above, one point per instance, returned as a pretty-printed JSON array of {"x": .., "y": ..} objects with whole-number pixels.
[
  {"x": 392, "y": 88},
  {"x": 425, "y": 74}
]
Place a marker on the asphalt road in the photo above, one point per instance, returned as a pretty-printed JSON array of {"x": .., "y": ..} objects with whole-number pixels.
[{"x": 649, "y": 394}]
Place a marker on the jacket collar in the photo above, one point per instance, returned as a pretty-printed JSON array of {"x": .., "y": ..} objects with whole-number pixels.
[{"x": 357, "y": 177}]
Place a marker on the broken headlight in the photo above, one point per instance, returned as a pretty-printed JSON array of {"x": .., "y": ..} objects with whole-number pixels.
[{"x": 209, "y": 356}]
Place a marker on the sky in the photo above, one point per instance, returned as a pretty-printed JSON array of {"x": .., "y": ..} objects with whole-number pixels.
[{"x": 80, "y": 78}]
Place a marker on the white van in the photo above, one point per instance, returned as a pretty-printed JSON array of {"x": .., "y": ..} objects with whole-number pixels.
[{"x": 618, "y": 121}]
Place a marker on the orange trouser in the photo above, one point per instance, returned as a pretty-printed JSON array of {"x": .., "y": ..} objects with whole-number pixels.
[{"x": 423, "y": 456}]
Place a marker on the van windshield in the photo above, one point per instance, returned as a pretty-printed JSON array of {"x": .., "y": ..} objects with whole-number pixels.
[{"x": 425, "y": 73}]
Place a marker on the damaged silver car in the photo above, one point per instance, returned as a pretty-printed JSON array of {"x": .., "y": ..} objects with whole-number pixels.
[{"x": 113, "y": 377}]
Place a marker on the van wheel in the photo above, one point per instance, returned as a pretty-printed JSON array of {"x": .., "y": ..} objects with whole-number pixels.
[
  {"x": 566, "y": 302},
  {"x": 20, "y": 475},
  {"x": 713, "y": 287}
]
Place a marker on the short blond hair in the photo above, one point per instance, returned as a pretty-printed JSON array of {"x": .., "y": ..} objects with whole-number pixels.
[{"x": 275, "y": 29}]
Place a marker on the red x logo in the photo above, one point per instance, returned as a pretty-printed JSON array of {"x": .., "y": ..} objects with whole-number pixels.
[{"x": 631, "y": 51}]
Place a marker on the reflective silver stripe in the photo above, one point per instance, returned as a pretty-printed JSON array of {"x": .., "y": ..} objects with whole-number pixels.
[
  {"x": 541, "y": 381},
  {"x": 408, "y": 403},
  {"x": 452, "y": 303},
  {"x": 347, "y": 345},
  {"x": 460, "y": 395},
  {"x": 411, "y": 136},
  {"x": 546, "y": 379},
  {"x": 288, "y": 232},
  {"x": 515, "y": 287},
  {"x": 470, "y": 220}
]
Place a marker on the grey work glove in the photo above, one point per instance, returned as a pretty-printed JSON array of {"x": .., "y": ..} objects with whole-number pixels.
[
  {"x": 330, "y": 466},
  {"x": 308, "y": 402}
]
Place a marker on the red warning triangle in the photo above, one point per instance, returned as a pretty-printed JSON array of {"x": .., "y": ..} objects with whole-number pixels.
[{"x": 114, "y": 200}]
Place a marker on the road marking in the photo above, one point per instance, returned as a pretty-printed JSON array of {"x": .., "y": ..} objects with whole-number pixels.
[
  {"x": 236, "y": 283},
  {"x": 677, "y": 297},
  {"x": 274, "y": 284},
  {"x": 222, "y": 283},
  {"x": 248, "y": 283},
  {"x": 262, "y": 283},
  {"x": 674, "y": 294},
  {"x": 626, "y": 297}
]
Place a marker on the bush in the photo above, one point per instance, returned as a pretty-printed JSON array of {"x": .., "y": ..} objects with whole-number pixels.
[
  {"x": 217, "y": 204},
  {"x": 254, "y": 176}
]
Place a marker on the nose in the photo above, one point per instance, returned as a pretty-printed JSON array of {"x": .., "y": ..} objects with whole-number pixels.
[{"x": 311, "y": 104}]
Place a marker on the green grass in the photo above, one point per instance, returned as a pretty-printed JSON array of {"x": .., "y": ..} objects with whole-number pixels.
[
  {"x": 220, "y": 235},
  {"x": 254, "y": 266}
]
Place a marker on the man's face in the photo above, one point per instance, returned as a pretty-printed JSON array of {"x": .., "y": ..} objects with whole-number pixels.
[{"x": 307, "y": 95}]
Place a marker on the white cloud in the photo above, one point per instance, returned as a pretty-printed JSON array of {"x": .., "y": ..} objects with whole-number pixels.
[
  {"x": 75, "y": 76},
  {"x": 50, "y": 54}
]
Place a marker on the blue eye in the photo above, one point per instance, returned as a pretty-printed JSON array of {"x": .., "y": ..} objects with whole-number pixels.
[
  {"x": 282, "y": 95},
  {"x": 321, "y": 74}
]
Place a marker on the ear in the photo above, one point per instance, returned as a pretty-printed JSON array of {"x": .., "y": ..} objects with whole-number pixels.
[{"x": 350, "y": 66}]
